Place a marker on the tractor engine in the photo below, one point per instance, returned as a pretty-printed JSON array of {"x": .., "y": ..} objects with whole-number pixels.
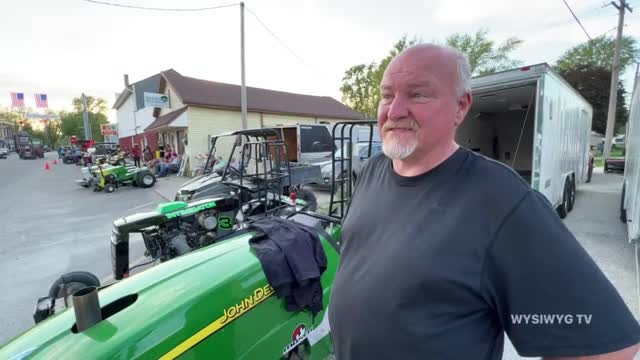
[
  {"x": 174, "y": 229},
  {"x": 182, "y": 235}
]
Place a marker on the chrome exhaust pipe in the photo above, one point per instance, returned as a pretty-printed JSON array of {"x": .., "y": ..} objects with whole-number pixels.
[{"x": 86, "y": 306}]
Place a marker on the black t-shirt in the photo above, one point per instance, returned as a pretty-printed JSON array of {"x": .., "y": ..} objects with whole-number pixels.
[{"x": 441, "y": 265}]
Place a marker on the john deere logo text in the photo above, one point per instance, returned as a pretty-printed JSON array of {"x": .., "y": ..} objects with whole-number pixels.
[
  {"x": 258, "y": 296},
  {"x": 191, "y": 210}
]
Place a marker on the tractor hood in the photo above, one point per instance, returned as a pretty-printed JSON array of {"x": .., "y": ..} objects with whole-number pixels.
[
  {"x": 202, "y": 186},
  {"x": 180, "y": 306}
]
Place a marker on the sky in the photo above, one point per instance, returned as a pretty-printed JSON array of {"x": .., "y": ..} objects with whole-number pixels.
[{"x": 65, "y": 47}]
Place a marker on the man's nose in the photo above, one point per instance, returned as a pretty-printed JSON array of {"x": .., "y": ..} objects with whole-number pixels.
[{"x": 398, "y": 109}]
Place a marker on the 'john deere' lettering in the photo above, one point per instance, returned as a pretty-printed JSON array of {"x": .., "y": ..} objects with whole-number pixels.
[{"x": 259, "y": 295}]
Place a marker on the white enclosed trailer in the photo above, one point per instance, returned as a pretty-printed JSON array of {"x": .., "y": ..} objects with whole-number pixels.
[
  {"x": 532, "y": 120},
  {"x": 630, "y": 204}
]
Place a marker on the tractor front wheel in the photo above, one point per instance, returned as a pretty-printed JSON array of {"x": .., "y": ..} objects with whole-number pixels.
[{"x": 109, "y": 188}]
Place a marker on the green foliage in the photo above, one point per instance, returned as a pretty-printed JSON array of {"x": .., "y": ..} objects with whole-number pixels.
[
  {"x": 485, "y": 56},
  {"x": 72, "y": 123},
  {"x": 360, "y": 84},
  {"x": 94, "y": 105},
  {"x": 593, "y": 83},
  {"x": 599, "y": 52}
]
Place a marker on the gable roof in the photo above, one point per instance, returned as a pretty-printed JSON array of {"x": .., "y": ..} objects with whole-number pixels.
[
  {"x": 150, "y": 84},
  {"x": 205, "y": 93},
  {"x": 166, "y": 119}
]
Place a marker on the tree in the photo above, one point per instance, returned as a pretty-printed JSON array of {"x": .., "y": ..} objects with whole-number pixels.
[
  {"x": 73, "y": 124},
  {"x": 94, "y": 105},
  {"x": 360, "y": 84},
  {"x": 485, "y": 57},
  {"x": 599, "y": 52},
  {"x": 593, "y": 82}
]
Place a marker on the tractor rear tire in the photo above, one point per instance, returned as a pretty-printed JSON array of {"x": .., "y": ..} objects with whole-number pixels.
[{"x": 145, "y": 179}]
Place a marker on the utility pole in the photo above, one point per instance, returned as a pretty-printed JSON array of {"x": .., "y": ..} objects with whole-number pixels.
[
  {"x": 615, "y": 72},
  {"x": 85, "y": 116},
  {"x": 243, "y": 88}
]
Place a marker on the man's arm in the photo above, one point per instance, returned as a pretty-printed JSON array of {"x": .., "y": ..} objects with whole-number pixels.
[{"x": 624, "y": 354}]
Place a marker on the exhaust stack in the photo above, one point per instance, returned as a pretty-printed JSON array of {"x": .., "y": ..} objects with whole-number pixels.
[{"x": 86, "y": 306}]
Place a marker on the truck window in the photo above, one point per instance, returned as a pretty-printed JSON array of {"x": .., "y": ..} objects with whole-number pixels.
[{"x": 314, "y": 139}]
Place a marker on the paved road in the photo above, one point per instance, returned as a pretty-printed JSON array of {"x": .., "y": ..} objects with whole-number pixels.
[{"x": 51, "y": 226}]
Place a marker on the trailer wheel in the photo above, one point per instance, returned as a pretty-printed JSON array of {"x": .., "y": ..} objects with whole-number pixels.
[
  {"x": 562, "y": 209},
  {"x": 571, "y": 201},
  {"x": 623, "y": 211}
]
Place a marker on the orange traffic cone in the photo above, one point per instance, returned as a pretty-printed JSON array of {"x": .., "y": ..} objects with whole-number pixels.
[
  {"x": 46, "y": 166},
  {"x": 55, "y": 162}
]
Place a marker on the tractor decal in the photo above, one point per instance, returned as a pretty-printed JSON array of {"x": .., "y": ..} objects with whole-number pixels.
[
  {"x": 299, "y": 335},
  {"x": 191, "y": 210},
  {"x": 229, "y": 315}
]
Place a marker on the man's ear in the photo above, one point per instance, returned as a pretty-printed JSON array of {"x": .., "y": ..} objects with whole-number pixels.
[{"x": 464, "y": 105}]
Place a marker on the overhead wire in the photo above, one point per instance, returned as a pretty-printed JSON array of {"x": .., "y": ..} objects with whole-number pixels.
[
  {"x": 160, "y": 9},
  {"x": 577, "y": 20}
]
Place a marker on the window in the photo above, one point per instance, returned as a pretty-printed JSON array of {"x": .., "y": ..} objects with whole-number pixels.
[{"x": 315, "y": 139}]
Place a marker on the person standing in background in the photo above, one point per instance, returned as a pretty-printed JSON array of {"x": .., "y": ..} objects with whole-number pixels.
[{"x": 136, "y": 155}]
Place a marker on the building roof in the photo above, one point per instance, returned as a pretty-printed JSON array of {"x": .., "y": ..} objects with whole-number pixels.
[
  {"x": 166, "y": 119},
  {"x": 150, "y": 84},
  {"x": 205, "y": 93}
]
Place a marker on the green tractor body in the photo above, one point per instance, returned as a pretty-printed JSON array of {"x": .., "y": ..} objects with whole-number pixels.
[
  {"x": 211, "y": 303},
  {"x": 111, "y": 178}
]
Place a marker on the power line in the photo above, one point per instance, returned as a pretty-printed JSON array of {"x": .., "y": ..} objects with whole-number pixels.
[
  {"x": 160, "y": 9},
  {"x": 277, "y": 38},
  {"x": 578, "y": 20}
]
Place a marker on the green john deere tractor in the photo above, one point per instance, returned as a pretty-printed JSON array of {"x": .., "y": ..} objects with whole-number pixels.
[
  {"x": 111, "y": 178},
  {"x": 207, "y": 298}
]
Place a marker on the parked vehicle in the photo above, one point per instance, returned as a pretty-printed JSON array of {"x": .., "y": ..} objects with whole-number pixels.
[
  {"x": 532, "y": 120},
  {"x": 358, "y": 155},
  {"x": 630, "y": 201},
  {"x": 614, "y": 164},
  {"x": 4, "y": 152},
  {"x": 224, "y": 163},
  {"x": 111, "y": 178}
]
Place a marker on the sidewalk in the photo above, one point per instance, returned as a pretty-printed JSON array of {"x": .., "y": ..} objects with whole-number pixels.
[{"x": 169, "y": 185}]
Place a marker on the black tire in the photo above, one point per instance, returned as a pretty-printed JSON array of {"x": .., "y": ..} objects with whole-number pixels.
[
  {"x": 623, "y": 211},
  {"x": 145, "y": 179},
  {"x": 309, "y": 198},
  {"x": 572, "y": 195},
  {"x": 562, "y": 209},
  {"x": 74, "y": 281},
  {"x": 109, "y": 188}
]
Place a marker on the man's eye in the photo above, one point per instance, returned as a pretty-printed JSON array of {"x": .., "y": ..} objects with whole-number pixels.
[
  {"x": 387, "y": 96},
  {"x": 418, "y": 95}
]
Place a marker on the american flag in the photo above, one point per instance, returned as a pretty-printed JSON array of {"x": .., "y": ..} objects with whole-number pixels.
[
  {"x": 41, "y": 100},
  {"x": 17, "y": 100}
]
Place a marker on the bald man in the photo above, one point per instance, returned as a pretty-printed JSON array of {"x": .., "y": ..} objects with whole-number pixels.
[{"x": 444, "y": 250}]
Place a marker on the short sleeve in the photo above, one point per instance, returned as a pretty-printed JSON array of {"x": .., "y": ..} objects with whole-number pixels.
[{"x": 547, "y": 292}]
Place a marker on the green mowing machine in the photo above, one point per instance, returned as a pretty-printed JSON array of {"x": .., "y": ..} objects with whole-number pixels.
[
  {"x": 112, "y": 177},
  {"x": 208, "y": 298}
]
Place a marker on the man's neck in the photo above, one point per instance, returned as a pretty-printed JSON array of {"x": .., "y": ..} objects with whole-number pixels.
[{"x": 414, "y": 165}]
